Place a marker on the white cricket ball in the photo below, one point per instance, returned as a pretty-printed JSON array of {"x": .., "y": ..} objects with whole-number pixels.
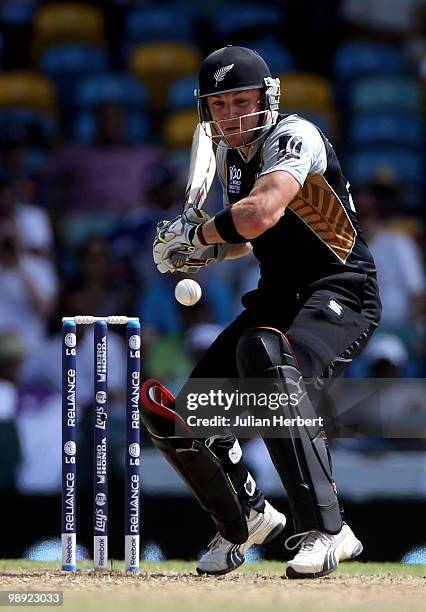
[{"x": 187, "y": 292}]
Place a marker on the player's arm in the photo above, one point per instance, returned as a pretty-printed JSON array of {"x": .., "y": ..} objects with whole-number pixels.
[
  {"x": 260, "y": 210},
  {"x": 235, "y": 251}
]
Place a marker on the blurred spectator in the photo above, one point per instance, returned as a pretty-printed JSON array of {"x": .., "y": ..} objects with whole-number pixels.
[
  {"x": 43, "y": 364},
  {"x": 131, "y": 240},
  {"x": 400, "y": 411},
  {"x": 28, "y": 283},
  {"x": 171, "y": 356},
  {"x": 11, "y": 355},
  {"x": 97, "y": 276},
  {"x": 398, "y": 259},
  {"x": 39, "y": 430},
  {"x": 108, "y": 175},
  {"x": 31, "y": 222},
  {"x": 199, "y": 337},
  {"x": 159, "y": 309},
  {"x": 23, "y": 156},
  {"x": 386, "y": 356}
]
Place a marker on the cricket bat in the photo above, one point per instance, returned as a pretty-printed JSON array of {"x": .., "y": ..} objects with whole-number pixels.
[{"x": 202, "y": 168}]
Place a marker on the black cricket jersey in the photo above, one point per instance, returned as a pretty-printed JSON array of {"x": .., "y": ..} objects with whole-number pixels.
[{"x": 318, "y": 236}]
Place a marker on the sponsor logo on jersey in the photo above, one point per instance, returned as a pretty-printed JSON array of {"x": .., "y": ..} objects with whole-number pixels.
[
  {"x": 234, "y": 183},
  {"x": 336, "y": 307},
  {"x": 290, "y": 147}
]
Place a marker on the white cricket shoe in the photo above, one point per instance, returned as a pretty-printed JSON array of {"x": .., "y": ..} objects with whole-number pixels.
[
  {"x": 223, "y": 556},
  {"x": 321, "y": 552}
]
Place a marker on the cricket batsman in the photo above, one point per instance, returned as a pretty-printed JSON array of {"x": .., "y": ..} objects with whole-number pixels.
[{"x": 315, "y": 308}]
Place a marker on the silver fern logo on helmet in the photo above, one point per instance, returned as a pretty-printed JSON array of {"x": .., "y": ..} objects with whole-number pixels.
[{"x": 220, "y": 74}]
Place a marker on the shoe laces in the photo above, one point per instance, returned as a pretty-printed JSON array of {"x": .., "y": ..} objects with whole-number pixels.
[{"x": 307, "y": 540}]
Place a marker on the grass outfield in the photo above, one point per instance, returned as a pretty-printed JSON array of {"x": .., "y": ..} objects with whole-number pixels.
[
  {"x": 266, "y": 567},
  {"x": 174, "y": 585}
]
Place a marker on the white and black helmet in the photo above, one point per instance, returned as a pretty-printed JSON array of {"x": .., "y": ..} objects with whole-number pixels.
[{"x": 233, "y": 69}]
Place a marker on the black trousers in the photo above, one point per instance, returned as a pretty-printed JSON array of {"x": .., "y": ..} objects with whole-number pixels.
[
  {"x": 322, "y": 335},
  {"x": 327, "y": 326}
]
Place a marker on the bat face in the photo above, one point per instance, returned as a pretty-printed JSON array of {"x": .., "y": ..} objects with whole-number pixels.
[{"x": 202, "y": 168}]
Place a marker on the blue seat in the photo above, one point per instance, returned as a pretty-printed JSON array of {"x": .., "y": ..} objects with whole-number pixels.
[
  {"x": 137, "y": 127},
  {"x": 323, "y": 121},
  {"x": 73, "y": 59},
  {"x": 181, "y": 92},
  {"x": 382, "y": 128},
  {"x": 36, "y": 123},
  {"x": 385, "y": 92},
  {"x": 405, "y": 164},
  {"x": 241, "y": 18},
  {"x": 278, "y": 57},
  {"x": 354, "y": 59},
  {"x": 66, "y": 63},
  {"x": 158, "y": 23},
  {"x": 111, "y": 87},
  {"x": 17, "y": 12}
]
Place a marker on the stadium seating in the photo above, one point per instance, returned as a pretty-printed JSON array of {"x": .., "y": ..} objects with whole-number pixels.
[
  {"x": 181, "y": 92},
  {"x": 65, "y": 64},
  {"x": 72, "y": 59},
  {"x": 355, "y": 59},
  {"x": 243, "y": 20},
  {"x": 67, "y": 22},
  {"x": 306, "y": 91},
  {"x": 386, "y": 92},
  {"x": 158, "y": 64},
  {"x": 405, "y": 164},
  {"x": 25, "y": 89},
  {"x": 158, "y": 23},
  {"x": 17, "y": 12},
  {"x": 327, "y": 122},
  {"x": 110, "y": 87},
  {"x": 179, "y": 128},
  {"x": 387, "y": 128},
  {"x": 137, "y": 127},
  {"x": 39, "y": 126},
  {"x": 278, "y": 57}
]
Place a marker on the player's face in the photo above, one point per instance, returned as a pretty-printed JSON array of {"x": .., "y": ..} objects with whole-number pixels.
[{"x": 233, "y": 115}]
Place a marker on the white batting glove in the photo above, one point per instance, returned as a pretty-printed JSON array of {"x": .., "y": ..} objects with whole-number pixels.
[
  {"x": 204, "y": 256},
  {"x": 177, "y": 235}
]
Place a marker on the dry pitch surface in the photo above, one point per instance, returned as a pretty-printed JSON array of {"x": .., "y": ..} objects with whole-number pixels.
[{"x": 174, "y": 586}]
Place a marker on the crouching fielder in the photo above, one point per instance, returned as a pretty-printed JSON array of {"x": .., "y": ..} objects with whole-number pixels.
[{"x": 315, "y": 308}]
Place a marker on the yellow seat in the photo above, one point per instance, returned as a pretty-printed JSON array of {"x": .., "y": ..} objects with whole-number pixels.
[
  {"x": 68, "y": 22},
  {"x": 27, "y": 89},
  {"x": 179, "y": 128},
  {"x": 412, "y": 226},
  {"x": 160, "y": 63},
  {"x": 306, "y": 91}
]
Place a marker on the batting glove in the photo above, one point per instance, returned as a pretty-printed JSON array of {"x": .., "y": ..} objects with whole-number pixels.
[{"x": 177, "y": 235}]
